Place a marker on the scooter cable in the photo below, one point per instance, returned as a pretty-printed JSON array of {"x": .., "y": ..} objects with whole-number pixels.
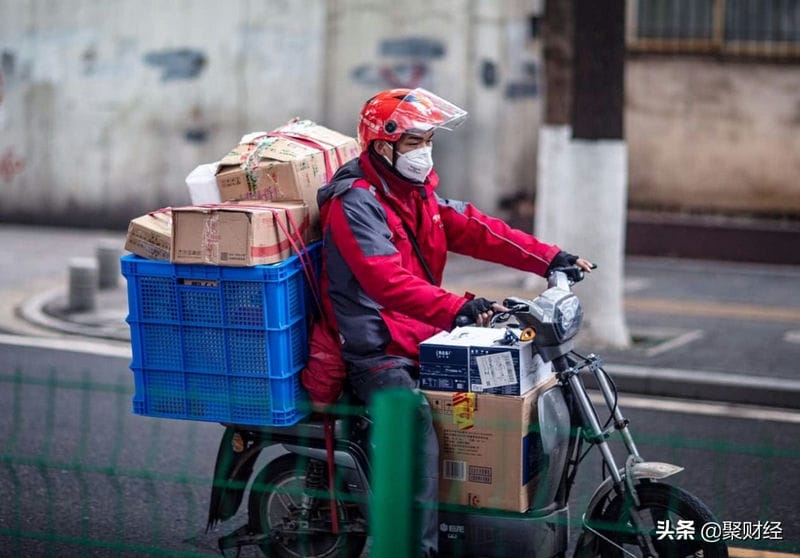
[
  {"x": 613, "y": 386},
  {"x": 611, "y": 383}
]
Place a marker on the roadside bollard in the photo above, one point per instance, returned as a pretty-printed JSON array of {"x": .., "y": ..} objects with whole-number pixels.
[
  {"x": 108, "y": 254},
  {"x": 82, "y": 284}
]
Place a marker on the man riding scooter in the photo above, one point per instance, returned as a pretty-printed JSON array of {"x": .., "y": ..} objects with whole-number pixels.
[{"x": 386, "y": 236}]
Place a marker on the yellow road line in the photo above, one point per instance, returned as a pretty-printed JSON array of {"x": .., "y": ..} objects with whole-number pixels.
[
  {"x": 749, "y": 553},
  {"x": 713, "y": 309}
]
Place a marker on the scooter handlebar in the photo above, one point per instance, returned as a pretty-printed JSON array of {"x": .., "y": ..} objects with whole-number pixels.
[{"x": 574, "y": 273}]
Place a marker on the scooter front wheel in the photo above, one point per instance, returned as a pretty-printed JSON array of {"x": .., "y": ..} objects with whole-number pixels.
[
  {"x": 274, "y": 507},
  {"x": 673, "y": 520}
]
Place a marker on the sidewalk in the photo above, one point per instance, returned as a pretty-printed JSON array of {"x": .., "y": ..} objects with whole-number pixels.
[{"x": 728, "y": 339}]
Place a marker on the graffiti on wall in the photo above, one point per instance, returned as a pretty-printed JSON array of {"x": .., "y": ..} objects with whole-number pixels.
[
  {"x": 524, "y": 82},
  {"x": 180, "y": 63},
  {"x": 11, "y": 165},
  {"x": 523, "y": 64},
  {"x": 403, "y": 62},
  {"x": 407, "y": 62}
]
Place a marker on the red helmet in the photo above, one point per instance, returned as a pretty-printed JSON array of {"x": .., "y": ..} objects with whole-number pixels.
[{"x": 394, "y": 112}]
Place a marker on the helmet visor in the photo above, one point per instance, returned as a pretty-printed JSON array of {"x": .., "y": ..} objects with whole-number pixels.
[{"x": 422, "y": 111}]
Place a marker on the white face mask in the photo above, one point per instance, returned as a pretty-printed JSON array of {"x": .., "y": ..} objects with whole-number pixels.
[{"x": 416, "y": 165}]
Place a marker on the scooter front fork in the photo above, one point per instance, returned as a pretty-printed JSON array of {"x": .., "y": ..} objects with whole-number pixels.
[
  {"x": 624, "y": 487},
  {"x": 620, "y": 422}
]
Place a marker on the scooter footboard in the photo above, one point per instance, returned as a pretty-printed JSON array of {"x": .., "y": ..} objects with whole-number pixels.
[{"x": 475, "y": 533}]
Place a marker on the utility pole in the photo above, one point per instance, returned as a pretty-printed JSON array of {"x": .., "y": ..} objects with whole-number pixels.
[{"x": 582, "y": 176}]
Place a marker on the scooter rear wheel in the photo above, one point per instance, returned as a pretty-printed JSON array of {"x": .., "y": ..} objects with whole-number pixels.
[
  {"x": 659, "y": 503},
  {"x": 274, "y": 505}
]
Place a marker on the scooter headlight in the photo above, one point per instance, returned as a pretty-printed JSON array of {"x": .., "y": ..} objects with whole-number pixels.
[{"x": 568, "y": 317}]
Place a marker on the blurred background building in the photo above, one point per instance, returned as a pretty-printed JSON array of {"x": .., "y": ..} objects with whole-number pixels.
[{"x": 105, "y": 107}]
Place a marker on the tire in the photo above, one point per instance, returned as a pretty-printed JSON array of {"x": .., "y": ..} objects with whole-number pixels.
[
  {"x": 276, "y": 493},
  {"x": 659, "y": 502}
]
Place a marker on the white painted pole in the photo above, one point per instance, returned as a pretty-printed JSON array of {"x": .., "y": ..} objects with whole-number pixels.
[{"x": 581, "y": 203}]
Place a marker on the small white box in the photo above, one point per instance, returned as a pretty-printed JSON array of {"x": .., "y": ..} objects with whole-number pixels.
[{"x": 202, "y": 184}]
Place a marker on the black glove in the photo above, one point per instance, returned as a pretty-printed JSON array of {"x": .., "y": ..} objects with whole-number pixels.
[
  {"x": 562, "y": 259},
  {"x": 471, "y": 310}
]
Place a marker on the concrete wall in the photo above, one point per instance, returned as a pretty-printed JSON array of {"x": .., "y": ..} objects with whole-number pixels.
[
  {"x": 713, "y": 136},
  {"x": 106, "y": 106},
  {"x": 480, "y": 54}
]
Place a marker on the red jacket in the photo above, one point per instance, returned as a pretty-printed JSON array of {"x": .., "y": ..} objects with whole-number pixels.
[{"x": 376, "y": 293}]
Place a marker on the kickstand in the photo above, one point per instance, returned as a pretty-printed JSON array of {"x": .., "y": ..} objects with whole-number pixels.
[{"x": 242, "y": 536}]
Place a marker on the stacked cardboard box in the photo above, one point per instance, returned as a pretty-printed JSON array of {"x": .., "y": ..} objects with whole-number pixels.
[
  {"x": 253, "y": 204},
  {"x": 483, "y": 388},
  {"x": 150, "y": 236},
  {"x": 487, "y": 447},
  {"x": 238, "y": 233},
  {"x": 288, "y": 163}
]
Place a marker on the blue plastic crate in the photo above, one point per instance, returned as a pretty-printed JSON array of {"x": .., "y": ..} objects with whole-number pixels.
[
  {"x": 271, "y": 353},
  {"x": 219, "y": 397},
  {"x": 219, "y": 343},
  {"x": 262, "y": 296}
]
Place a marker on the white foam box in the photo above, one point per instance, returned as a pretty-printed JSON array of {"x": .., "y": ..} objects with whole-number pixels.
[{"x": 473, "y": 359}]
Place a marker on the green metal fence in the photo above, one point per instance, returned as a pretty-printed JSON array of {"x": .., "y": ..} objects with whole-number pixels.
[{"x": 82, "y": 476}]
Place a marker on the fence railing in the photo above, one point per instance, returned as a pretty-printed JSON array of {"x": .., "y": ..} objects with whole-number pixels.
[{"x": 82, "y": 476}]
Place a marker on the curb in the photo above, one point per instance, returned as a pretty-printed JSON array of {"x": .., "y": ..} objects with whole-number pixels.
[
  {"x": 32, "y": 311},
  {"x": 709, "y": 386},
  {"x": 712, "y": 237}
]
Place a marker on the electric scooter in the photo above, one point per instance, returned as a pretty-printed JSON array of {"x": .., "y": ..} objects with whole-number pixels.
[{"x": 293, "y": 512}]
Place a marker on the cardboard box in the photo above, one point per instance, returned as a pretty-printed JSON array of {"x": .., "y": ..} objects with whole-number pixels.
[
  {"x": 289, "y": 163},
  {"x": 270, "y": 168},
  {"x": 487, "y": 448},
  {"x": 237, "y": 233},
  {"x": 150, "y": 236},
  {"x": 341, "y": 148},
  {"x": 473, "y": 359}
]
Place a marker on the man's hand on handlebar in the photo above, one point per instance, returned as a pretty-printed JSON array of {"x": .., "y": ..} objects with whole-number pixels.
[
  {"x": 585, "y": 265},
  {"x": 477, "y": 311},
  {"x": 565, "y": 259}
]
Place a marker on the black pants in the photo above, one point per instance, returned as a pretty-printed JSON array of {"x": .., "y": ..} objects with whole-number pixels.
[{"x": 370, "y": 377}]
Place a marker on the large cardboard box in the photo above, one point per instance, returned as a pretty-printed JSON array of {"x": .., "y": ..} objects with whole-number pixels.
[
  {"x": 339, "y": 147},
  {"x": 288, "y": 163},
  {"x": 476, "y": 359},
  {"x": 237, "y": 233},
  {"x": 264, "y": 167},
  {"x": 150, "y": 236},
  {"x": 487, "y": 447}
]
